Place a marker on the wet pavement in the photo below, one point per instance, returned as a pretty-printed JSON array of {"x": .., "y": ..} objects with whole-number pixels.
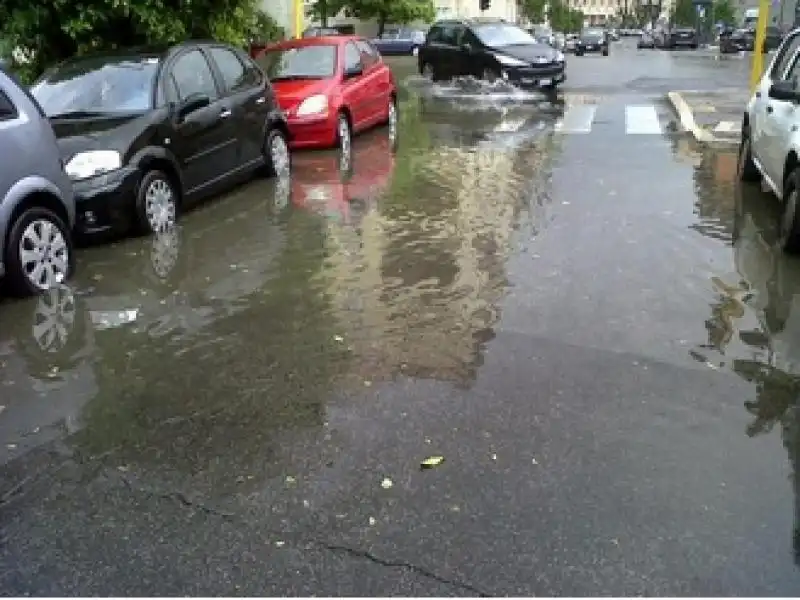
[{"x": 566, "y": 299}]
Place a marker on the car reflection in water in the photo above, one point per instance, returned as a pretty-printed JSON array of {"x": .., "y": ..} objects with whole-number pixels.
[
  {"x": 772, "y": 280},
  {"x": 345, "y": 186}
]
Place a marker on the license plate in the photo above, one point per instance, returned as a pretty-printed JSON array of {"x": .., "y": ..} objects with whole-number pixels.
[
  {"x": 545, "y": 81},
  {"x": 528, "y": 81}
]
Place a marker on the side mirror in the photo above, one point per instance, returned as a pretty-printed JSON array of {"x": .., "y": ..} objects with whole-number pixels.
[
  {"x": 353, "y": 71},
  {"x": 784, "y": 90},
  {"x": 193, "y": 103}
]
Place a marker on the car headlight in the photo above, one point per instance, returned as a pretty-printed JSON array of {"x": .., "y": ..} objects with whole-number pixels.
[
  {"x": 92, "y": 163},
  {"x": 507, "y": 61},
  {"x": 559, "y": 56},
  {"x": 313, "y": 105}
]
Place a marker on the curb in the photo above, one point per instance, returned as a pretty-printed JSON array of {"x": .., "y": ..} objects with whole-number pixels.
[{"x": 689, "y": 124}]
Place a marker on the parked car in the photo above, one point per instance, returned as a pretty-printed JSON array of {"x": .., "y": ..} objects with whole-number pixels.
[
  {"x": 490, "y": 49},
  {"x": 570, "y": 42},
  {"x": 145, "y": 134},
  {"x": 735, "y": 40},
  {"x": 646, "y": 40},
  {"x": 37, "y": 205},
  {"x": 330, "y": 88},
  {"x": 770, "y": 142},
  {"x": 592, "y": 40},
  {"x": 681, "y": 37},
  {"x": 559, "y": 41},
  {"x": 400, "y": 42}
]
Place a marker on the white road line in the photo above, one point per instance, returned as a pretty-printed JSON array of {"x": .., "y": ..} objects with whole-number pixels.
[
  {"x": 577, "y": 119},
  {"x": 642, "y": 120},
  {"x": 727, "y": 127}
]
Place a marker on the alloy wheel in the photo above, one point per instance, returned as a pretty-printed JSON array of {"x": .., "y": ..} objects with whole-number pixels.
[
  {"x": 44, "y": 254},
  {"x": 159, "y": 207}
]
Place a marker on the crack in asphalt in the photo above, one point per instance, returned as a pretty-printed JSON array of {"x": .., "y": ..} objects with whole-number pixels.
[
  {"x": 403, "y": 565},
  {"x": 184, "y": 500}
]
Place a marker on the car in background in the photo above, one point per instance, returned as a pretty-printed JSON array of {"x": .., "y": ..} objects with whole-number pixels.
[
  {"x": 320, "y": 32},
  {"x": 613, "y": 34},
  {"x": 330, "y": 88},
  {"x": 490, "y": 49},
  {"x": 542, "y": 34},
  {"x": 400, "y": 42},
  {"x": 146, "y": 133},
  {"x": 559, "y": 41},
  {"x": 735, "y": 40},
  {"x": 646, "y": 40},
  {"x": 770, "y": 144},
  {"x": 37, "y": 204},
  {"x": 592, "y": 39},
  {"x": 773, "y": 38},
  {"x": 570, "y": 42},
  {"x": 681, "y": 37}
]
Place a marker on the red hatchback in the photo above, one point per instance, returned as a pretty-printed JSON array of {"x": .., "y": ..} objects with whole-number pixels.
[{"x": 330, "y": 88}]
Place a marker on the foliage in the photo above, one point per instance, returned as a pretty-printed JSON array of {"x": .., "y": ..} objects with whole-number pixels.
[
  {"x": 49, "y": 33},
  {"x": 533, "y": 10},
  {"x": 392, "y": 11},
  {"x": 322, "y": 10},
  {"x": 563, "y": 18},
  {"x": 724, "y": 11},
  {"x": 683, "y": 13}
]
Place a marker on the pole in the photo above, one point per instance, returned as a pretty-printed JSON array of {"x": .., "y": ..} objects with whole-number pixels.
[
  {"x": 299, "y": 9},
  {"x": 758, "y": 48}
]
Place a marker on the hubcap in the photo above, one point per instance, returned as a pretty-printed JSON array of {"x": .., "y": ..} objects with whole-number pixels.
[
  {"x": 392, "y": 121},
  {"x": 159, "y": 206},
  {"x": 43, "y": 253},
  {"x": 787, "y": 222},
  {"x": 279, "y": 154},
  {"x": 54, "y": 318}
]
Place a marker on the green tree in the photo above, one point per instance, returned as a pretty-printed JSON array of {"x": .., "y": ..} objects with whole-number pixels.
[
  {"x": 576, "y": 20},
  {"x": 51, "y": 33},
  {"x": 683, "y": 13},
  {"x": 392, "y": 11},
  {"x": 533, "y": 10},
  {"x": 322, "y": 10},
  {"x": 724, "y": 11}
]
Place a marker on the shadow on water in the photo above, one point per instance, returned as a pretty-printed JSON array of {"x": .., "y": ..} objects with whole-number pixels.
[
  {"x": 755, "y": 321},
  {"x": 210, "y": 350}
]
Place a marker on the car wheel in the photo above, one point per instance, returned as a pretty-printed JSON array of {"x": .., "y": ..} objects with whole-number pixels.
[
  {"x": 746, "y": 167},
  {"x": 789, "y": 225},
  {"x": 156, "y": 203},
  {"x": 428, "y": 72},
  {"x": 38, "y": 252},
  {"x": 344, "y": 140},
  {"x": 277, "y": 156}
]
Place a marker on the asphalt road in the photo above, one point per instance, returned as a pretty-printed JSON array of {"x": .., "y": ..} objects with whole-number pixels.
[{"x": 566, "y": 300}]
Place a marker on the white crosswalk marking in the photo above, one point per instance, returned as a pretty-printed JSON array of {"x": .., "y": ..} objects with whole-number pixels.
[
  {"x": 577, "y": 119},
  {"x": 641, "y": 120}
]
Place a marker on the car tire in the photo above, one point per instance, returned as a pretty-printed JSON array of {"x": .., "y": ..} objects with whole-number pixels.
[
  {"x": 24, "y": 233},
  {"x": 277, "y": 156},
  {"x": 156, "y": 203},
  {"x": 789, "y": 228},
  {"x": 746, "y": 167}
]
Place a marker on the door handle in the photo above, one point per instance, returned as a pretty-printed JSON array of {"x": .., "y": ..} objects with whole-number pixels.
[
  {"x": 769, "y": 108},
  {"x": 225, "y": 113},
  {"x": 261, "y": 100}
]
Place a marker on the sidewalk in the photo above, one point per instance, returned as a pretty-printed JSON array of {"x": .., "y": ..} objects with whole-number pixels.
[{"x": 711, "y": 117}]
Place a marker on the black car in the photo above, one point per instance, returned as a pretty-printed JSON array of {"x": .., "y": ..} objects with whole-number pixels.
[
  {"x": 735, "y": 40},
  {"x": 489, "y": 49},
  {"x": 592, "y": 40},
  {"x": 144, "y": 134},
  {"x": 681, "y": 37}
]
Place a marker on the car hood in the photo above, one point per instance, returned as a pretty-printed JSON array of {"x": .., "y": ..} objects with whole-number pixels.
[
  {"x": 290, "y": 93},
  {"x": 76, "y": 135},
  {"x": 528, "y": 52}
]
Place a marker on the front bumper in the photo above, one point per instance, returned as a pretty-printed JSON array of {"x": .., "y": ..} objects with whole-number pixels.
[
  {"x": 106, "y": 204},
  {"x": 591, "y": 48},
  {"x": 536, "y": 76},
  {"x": 316, "y": 131}
]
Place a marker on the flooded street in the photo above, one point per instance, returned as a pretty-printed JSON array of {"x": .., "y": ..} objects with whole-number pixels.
[{"x": 565, "y": 299}]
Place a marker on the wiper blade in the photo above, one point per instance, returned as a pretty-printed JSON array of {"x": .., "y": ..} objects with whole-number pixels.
[{"x": 78, "y": 114}]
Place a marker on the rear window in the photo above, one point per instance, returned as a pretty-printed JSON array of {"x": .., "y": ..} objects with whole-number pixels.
[{"x": 316, "y": 61}]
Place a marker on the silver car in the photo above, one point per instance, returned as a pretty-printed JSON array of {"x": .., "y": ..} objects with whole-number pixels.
[{"x": 37, "y": 206}]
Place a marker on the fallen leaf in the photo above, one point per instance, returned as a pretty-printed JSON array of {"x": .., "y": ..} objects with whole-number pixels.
[
  {"x": 372, "y": 521},
  {"x": 386, "y": 483},
  {"x": 338, "y": 338},
  {"x": 494, "y": 456},
  {"x": 279, "y": 543},
  {"x": 431, "y": 462},
  {"x": 290, "y": 479},
  {"x": 367, "y": 383}
]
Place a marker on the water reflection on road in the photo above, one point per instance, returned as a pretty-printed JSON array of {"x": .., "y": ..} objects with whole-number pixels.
[{"x": 200, "y": 346}]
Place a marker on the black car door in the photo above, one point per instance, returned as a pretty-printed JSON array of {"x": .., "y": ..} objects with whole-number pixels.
[
  {"x": 245, "y": 88},
  {"x": 203, "y": 140}
]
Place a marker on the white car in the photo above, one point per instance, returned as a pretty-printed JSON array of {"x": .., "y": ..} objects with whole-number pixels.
[{"x": 770, "y": 145}]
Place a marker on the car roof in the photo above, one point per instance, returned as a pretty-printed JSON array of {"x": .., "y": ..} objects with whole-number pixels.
[{"x": 321, "y": 40}]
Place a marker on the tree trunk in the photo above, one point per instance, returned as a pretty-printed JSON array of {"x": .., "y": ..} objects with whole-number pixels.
[{"x": 381, "y": 23}]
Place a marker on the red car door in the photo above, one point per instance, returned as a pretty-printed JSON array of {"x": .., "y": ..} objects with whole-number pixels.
[
  {"x": 374, "y": 76},
  {"x": 355, "y": 91}
]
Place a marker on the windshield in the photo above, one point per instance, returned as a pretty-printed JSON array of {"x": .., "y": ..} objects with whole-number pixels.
[
  {"x": 502, "y": 34},
  {"x": 102, "y": 86},
  {"x": 304, "y": 62}
]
